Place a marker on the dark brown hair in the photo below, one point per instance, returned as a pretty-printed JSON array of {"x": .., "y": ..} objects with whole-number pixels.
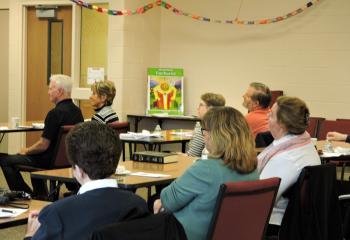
[
  {"x": 213, "y": 99},
  {"x": 95, "y": 148},
  {"x": 293, "y": 114}
]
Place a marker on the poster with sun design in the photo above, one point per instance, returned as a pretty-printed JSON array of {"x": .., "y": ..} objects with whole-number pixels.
[{"x": 165, "y": 91}]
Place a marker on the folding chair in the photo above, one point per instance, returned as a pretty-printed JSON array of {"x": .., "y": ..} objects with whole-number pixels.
[{"x": 243, "y": 209}]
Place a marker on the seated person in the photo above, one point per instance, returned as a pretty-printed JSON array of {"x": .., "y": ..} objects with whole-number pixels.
[
  {"x": 41, "y": 152},
  {"x": 257, "y": 100},
  {"x": 289, "y": 153},
  {"x": 208, "y": 100},
  {"x": 103, "y": 93},
  {"x": 94, "y": 151},
  {"x": 232, "y": 158},
  {"x": 336, "y": 136}
]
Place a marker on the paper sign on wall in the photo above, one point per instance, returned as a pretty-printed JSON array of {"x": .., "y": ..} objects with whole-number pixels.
[{"x": 95, "y": 74}]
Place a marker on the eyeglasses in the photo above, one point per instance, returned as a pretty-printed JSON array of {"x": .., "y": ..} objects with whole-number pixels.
[{"x": 203, "y": 129}]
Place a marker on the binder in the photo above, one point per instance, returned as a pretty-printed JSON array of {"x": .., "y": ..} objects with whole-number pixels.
[{"x": 155, "y": 157}]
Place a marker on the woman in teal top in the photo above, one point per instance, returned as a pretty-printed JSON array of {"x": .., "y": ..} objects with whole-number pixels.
[{"x": 232, "y": 158}]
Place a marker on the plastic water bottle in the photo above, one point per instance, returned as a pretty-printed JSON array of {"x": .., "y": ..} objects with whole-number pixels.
[
  {"x": 157, "y": 129},
  {"x": 204, "y": 154},
  {"x": 328, "y": 147},
  {"x": 198, "y": 125}
]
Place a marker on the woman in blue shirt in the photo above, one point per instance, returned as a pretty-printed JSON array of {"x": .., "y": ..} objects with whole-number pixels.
[{"x": 232, "y": 158}]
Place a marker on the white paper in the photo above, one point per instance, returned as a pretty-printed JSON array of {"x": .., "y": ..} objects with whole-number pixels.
[
  {"x": 4, "y": 128},
  {"x": 143, "y": 134},
  {"x": 38, "y": 125},
  {"x": 327, "y": 154},
  {"x": 152, "y": 175},
  {"x": 342, "y": 150},
  {"x": 25, "y": 127},
  {"x": 182, "y": 134},
  {"x": 14, "y": 212},
  {"x": 95, "y": 74}
]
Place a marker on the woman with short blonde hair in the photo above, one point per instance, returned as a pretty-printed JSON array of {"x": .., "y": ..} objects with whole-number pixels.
[
  {"x": 103, "y": 93},
  {"x": 232, "y": 158}
]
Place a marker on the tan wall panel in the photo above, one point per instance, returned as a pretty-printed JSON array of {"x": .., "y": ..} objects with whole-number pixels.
[
  {"x": 94, "y": 36},
  {"x": 4, "y": 70}
]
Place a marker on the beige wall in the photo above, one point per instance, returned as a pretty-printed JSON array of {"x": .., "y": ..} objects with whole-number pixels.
[
  {"x": 135, "y": 46},
  {"x": 306, "y": 56},
  {"x": 4, "y": 4},
  {"x": 4, "y": 70},
  {"x": 94, "y": 32}
]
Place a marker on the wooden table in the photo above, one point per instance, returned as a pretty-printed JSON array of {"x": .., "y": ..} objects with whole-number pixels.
[
  {"x": 160, "y": 119},
  {"x": 168, "y": 137},
  {"x": 343, "y": 159},
  {"x": 129, "y": 182},
  {"x": 23, "y": 218},
  {"x": 24, "y": 127}
]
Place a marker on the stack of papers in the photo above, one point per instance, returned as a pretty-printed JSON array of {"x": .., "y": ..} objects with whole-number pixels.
[
  {"x": 152, "y": 175},
  {"x": 182, "y": 134},
  {"x": 25, "y": 127},
  {"x": 143, "y": 134},
  {"x": 338, "y": 151},
  {"x": 11, "y": 212},
  {"x": 38, "y": 125}
]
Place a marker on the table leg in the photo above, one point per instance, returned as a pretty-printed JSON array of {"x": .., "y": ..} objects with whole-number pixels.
[
  {"x": 160, "y": 123},
  {"x": 54, "y": 191},
  {"x": 130, "y": 150},
  {"x": 183, "y": 147},
  {"x": 2, "y": 135},
  {"x": 136, "y": 126},
  {"x": 123, "y": 151},
  {"x": 149, "y": 191}
]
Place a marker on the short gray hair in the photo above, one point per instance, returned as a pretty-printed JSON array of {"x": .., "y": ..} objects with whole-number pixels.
[{"x": 62, "y": 81}]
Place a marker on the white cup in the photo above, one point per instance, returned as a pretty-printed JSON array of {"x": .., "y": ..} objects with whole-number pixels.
[
  {"x": 120, "y": 169},
  {"x": 314, "y": 141},
  {"x": 15, "y": 122}
]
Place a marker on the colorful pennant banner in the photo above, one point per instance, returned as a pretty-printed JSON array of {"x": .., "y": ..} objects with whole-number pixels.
[{"x": 179, "y": 12}]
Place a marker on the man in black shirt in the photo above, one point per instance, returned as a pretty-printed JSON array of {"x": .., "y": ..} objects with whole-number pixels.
[{"x": 40, "y": 153}]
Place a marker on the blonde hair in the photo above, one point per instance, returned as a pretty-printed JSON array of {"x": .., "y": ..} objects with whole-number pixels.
[
  {"x": 213, "y": 99},
  {"x": 231, "y": 138},
  {"x": 105, "y": 88}
]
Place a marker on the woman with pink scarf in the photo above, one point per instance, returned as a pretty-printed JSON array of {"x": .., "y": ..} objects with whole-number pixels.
[{"x": 289, "y": 153}]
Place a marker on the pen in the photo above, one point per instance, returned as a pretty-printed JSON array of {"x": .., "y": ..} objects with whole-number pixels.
[{"x": 8, "y": 211}]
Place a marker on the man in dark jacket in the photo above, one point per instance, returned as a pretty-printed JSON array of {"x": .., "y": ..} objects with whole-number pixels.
[
  {"x": 41, "y": 152},
  {"x": 94, "y": 151}
]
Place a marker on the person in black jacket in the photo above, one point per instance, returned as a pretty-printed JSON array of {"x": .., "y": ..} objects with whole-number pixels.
[
  {"x": 94, "y": 151},
  {"x": 41, "y": 152}
]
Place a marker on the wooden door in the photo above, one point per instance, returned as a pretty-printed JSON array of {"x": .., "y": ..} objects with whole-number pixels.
[{"x": 37, "y": 102}]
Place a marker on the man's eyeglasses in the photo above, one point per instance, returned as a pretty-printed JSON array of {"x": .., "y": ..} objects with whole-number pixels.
[{"x": 203, "y": 129}]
